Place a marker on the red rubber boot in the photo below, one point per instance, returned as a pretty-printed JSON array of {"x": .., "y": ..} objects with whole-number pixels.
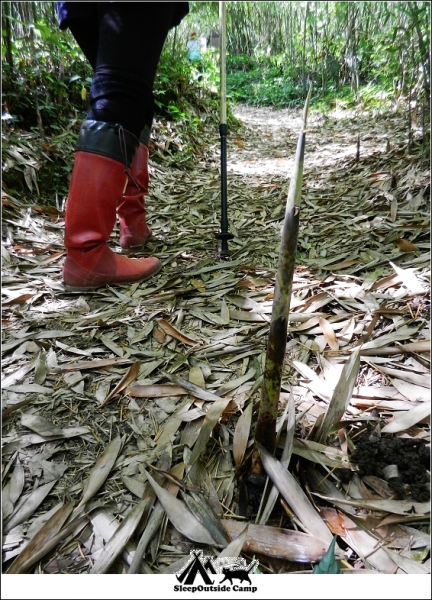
[
  {"x": 98, "y": 180},
  {"x": 134, "y": 231}
]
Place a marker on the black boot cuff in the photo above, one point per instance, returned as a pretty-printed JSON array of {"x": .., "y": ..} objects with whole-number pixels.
[{"x": 108, "y": 139}]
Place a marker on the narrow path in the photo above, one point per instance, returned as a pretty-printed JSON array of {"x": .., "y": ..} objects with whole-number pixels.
[{"x": 330, "y": 138}]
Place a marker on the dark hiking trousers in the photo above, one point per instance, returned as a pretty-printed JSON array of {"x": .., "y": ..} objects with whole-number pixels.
[{"x": 123, "y": 42}]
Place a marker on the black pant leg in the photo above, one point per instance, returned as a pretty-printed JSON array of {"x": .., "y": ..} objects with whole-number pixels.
[{"x": 131, "y": 38}]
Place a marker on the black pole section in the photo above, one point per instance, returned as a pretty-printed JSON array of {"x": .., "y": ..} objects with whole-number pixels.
[{"x": 224, "y": 235}]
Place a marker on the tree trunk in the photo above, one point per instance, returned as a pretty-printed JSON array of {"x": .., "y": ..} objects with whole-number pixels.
[
  {"x": 304, "y": 49},
  {"x": 7, "y": 33}
]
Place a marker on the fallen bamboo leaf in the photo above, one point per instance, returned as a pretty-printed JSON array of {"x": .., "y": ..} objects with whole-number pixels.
[
  {"x": 241, "y": 434},
  {"x": 200, "y": 508},
  {"x": 133, "y": 485},
  {"x": 157, "y": 515},
  {"x": 31, "y": 388},
  {"x": 27, "y": 506},
  {"x": 402, "y": 333},
  {"x": 210, "y": 420},
  {"x": 341, "y": 396},
  {"x": 193, "y": 389},
  {"x": 321, "y": 454},
  {"x": 236, "y": 383},
  {"x": 173, "y": 480},
  {"x": 105, "y": 525},
  {"x": 41, "y": 335},
  {"x": 196, "y": 376},
  {"x": 175, "y": 333},
  {"x": 398, "y": 507},
  {"x": 415, "y": 393},
  {"x": 410, "y": 566},
  {"x": 285, "y": 459},
  {"x": 130, "y": 376},
  {"x": 34, "y": 550},
  {"x": 295, "y": 497},
  {"x": 72, "y": 528},
  {"x": 419, "y": 347},
  {"x": 16, "y": 482},
  {"x": 172, "y": 424},
  {"x": 7, "y": 412},
  {"x": 405, "y": 245},
  {"x": 23, "y": 441},
  {"x": 361, "y": 541},
  {"x": 329, "y": 333},
  {"x": 409, "y": 279},
  {"x": 199, "y": 476},
  {"x": 40, "y": 425},
  {"x": 92, "y": 364},
  {"x": 18, "y": 374},
  {"x": 119, "y": 540},
  {"x": 408, "y": 419},
  {"x": 101, "y": 470},
  {"x": 414, "y": 378},
  {"x": 180, "y": 516},
  {"x": 317, "y": 480},
  {"x": 21, "y": 299},
  {"x": 236, "y": 545},
  {"x": 155, "y": 391}
]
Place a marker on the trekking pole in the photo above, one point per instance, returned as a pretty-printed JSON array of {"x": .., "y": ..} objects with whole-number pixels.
[{"x": 223, "y": 235}]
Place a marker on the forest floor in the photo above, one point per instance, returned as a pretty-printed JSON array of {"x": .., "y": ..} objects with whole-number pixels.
[{"x": 128, "y": 413}]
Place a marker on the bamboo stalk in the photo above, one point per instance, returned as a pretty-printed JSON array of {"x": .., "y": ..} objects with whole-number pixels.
[{"x": 265, "y": 433}]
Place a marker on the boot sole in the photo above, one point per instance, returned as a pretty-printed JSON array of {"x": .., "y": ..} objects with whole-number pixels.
[{"x": 92, "y": 288}]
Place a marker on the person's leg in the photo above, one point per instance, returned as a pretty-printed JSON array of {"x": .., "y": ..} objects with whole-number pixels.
[
  {"x": 131, "y": 210},
  {"x": 131, "y": 38},
  {"x": 122, "y": 85},
  {"x": 134, "y": 231},
  {"x": 134, "y": 24},
  {"x": 86, "y": 34}
]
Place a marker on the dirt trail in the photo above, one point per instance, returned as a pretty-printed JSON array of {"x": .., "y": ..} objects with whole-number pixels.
[{"x": 330, "y": 137}]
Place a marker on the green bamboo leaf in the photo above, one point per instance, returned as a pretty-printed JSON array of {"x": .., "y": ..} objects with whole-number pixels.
[{"x": 328, "y": 565}]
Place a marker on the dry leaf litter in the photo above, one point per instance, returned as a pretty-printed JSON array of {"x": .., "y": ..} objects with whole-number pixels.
[{"x": 128, "y": 413}]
